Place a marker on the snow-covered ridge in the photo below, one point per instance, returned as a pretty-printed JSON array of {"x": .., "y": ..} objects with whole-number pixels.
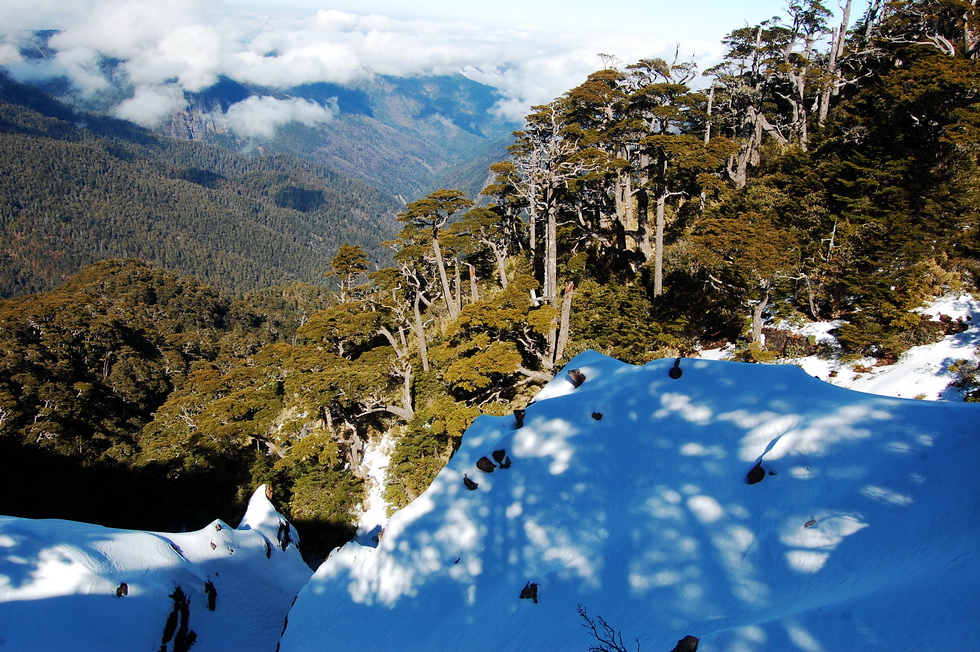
[
  {"x": 74, "y": 586},
  {"x": 628, "y": 495}
]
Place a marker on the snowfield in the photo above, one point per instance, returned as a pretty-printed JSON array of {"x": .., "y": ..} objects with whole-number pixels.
[
  {"x": 67, "y": 586},
  {"x": 627, "y": 495}
]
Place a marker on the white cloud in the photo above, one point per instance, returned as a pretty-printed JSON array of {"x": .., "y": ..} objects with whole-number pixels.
[
  {"x": 189, "y": 44},
  {"x": 151, "y": 104},
  {"x": 9, "y": 54},
  {"x": 259, "y": 117}
]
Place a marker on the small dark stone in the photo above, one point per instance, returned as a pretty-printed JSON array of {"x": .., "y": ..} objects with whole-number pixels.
[
  {"x": 687, "y": 644},
  {"x": 485, "y": 465},
  {"x": 469, "y": 483},
  {"x": 519, "y": 418},
  {"x": 505, "y": 464},
  {"x": 576, "y": 377},
  {"x": 122, "y": 589},
  {"x": 530, "y": 592},
  {"x": 756, "y": 474},
  {"x": 499, "y": 456},
  {"x": 212, "y": 593},
  {"x": 597, "y": 416}
]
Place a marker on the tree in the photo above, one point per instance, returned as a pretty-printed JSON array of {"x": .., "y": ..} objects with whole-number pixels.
[
  {"x": 747, "y": 254},
  {"x": 424, "y": 221},
  {"x": 348, "y": 266},
  {"x": 548, "y": 159}
]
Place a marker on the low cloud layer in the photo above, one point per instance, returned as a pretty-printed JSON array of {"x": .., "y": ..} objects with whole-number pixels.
[
  {"x": 259, "y": 117},
  {"x": 171, "y": 46}
]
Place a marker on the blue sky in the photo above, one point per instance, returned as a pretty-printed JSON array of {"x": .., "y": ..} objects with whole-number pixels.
[{"x": 531, "y": 52}]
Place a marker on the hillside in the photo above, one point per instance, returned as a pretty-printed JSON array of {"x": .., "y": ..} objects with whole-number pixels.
[
  {"x": 626, "y": 498},
  {"x": 76, "y": 188}
]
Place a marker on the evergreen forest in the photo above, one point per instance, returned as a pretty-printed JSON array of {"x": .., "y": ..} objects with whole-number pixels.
[
  {"x": 76, "y": 188},
  {"x": 819, "y": 172}
]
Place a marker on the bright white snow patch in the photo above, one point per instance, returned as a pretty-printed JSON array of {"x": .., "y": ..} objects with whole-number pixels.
[
  {"x": 922, "y": 372},
  {"x": 75, "y": 586},
  {"x": 371, "y": 521}
]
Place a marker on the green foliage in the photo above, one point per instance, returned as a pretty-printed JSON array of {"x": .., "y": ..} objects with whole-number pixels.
[
  {"x": 756, "y": 353},
  {"x": 350, "y": 263},
  {"x": 346, "y": 329},
  {"x": 619, "y": 321}
]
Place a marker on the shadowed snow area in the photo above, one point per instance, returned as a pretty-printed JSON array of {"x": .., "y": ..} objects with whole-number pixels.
[
  {"x": 74, "y": 586},
  {"x": 628, "y": 495}
]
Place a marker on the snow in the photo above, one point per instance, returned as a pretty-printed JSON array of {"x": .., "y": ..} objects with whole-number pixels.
[
  {"x": 370, "y": 521},
  {"x": 59, "y": 582},
  {"x": 626, "y": 495},
  {"x": 922, "y": 372}
]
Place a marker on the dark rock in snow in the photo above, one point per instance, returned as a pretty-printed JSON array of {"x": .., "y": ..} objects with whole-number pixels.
[
  {"x": 756, "y": 474},
  {"x": 687, "y": 644},
  {"x": 485, "y": 465},
  {"x": 212, "y": 593},
  {"x": 576, "y": 377},
  {"x": 530, "y": 592}
]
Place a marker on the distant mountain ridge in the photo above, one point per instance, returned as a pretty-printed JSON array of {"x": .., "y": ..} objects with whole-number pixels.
[{"x": 404, "y": 135}]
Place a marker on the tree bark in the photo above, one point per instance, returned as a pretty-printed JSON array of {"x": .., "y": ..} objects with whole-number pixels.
[
  {"x": 658, "y": 261},
  {"x": 563, "y": 323},
  {"x": 474, "y": 290},
  {"x": 444, "y": 278},
  {"x": 551, "y": 256},
  {"x": 757, "y": 311},
  {"x": 420, "y": 333}
]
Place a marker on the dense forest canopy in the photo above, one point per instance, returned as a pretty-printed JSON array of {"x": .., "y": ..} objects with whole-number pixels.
[{"x": 818, "y": 172}]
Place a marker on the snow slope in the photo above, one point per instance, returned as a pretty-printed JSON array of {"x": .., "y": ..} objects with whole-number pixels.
[
  {"x": 628, "y": 495},
  {"x": 922, "y": 371},
  {"x": 67, "y": 586}
]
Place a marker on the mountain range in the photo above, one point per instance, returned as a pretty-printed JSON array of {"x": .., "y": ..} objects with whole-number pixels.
[
  {"x": 241, "y": 205},
  {"x": 405, "y": 135}
]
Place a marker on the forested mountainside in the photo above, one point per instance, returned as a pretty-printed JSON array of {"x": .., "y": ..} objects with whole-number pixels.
[
  {"x": 637, "y": 216},
  {"x": 76, "y": 188}
]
